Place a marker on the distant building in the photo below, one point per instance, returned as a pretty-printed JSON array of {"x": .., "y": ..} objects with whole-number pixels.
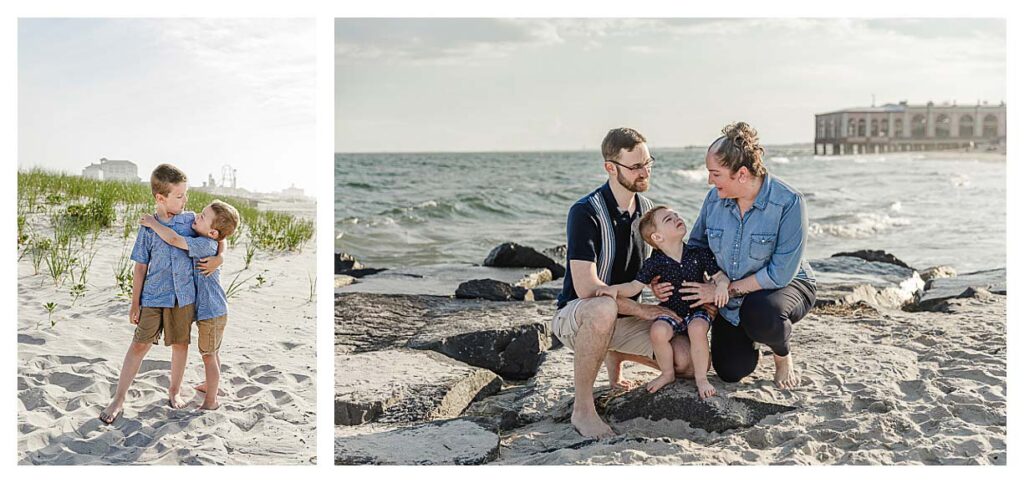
[
  {"x": 292, "y": 192},
  {"x": 112, "y": 169},
  {"x": 905, "y": 127}
]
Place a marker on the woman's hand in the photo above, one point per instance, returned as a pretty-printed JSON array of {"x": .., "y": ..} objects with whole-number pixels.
[
  {"x": 698, "y": 293},
  {"x": 661, "y": 291},
  {"x": 206, "y": 266}
]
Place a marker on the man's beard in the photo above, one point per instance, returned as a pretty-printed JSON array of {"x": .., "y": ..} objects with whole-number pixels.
[{"x": 633, "y": 187}]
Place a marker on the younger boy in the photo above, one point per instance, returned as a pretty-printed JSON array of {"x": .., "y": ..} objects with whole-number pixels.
[
  {"x": 216, "y": 222},
  {"x": 163, "y": 291},
  {"x": 664, "y": 230}
]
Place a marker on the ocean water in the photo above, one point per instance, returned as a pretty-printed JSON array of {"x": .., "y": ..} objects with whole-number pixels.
[{"x": 405, "y": 210}]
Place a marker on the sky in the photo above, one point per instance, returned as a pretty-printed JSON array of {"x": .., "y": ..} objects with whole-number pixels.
[
  {"x": 407, "y": 85},
  {"x": 197, "y": 93}
]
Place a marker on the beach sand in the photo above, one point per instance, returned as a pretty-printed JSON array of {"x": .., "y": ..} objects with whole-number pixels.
[{"x": 68, "y": 373}]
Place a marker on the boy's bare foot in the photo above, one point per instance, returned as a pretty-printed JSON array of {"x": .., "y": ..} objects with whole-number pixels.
[
  {"x": 591, "y": 426},
  {"x": 705, "y": 389},
  {"x": 202, "y": 388},
  {"x": 661, "y": 381},
  {"x": 785, "y": 375},
  {"x": 206, "y": 407},
  {"x": 175, "y": 401},
  {"x": 110, "y": 414}
]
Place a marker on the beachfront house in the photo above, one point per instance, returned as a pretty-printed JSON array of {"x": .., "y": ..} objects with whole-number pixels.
[
  {"x": 909, "y": 127},
  {"x": 112, "y": 169}
]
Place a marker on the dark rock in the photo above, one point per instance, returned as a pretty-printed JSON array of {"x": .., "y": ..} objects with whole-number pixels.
[
  {"x": 679, "y": 402},
  {"x": 345, "y": 264},
  {"x": 514, "y": 255},
  {"x": 462, "y": 441},
  {"x": 942, "y": 290},
  {"x": 874, "y": 256},
  {"x": 546, "y": 293},
  {"x": 370, "y": 322},
  {"x": 489, "y": 289},
  {"x": 402, "y": 385}
]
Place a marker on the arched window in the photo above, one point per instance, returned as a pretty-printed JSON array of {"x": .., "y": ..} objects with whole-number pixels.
[
  {"x": 821, "y": 129},
  {"x": 966, "y": 123},
  {"x": 862, "y": 128},
  {"x": 885, "y": 128},
  {"x": 990, "y": 126},
  {"x": 897, "y": 127},
  {"x": 851, "y": 128},
  {"x": 918, "y": 126},
  {"x": 874, "y": 127},
  {"x": 943, "y": 124}
]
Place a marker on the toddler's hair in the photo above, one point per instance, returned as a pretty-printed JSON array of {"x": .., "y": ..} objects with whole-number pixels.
[{"x": 225, "y": 219}]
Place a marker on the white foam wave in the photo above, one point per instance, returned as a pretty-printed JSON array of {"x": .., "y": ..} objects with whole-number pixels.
[
  {"x": 692, "y": 175},
  {"x": 896, "y": 206},
  {"x": 779, "y": 160},
  {"x": 862, "y": 225},
  {"x": 960, "y": 180}
]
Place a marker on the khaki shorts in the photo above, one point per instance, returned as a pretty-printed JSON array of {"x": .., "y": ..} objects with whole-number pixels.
[
  {"x": 631, "y": 335},
  {"x": 211, "y": 333},
  {"x": 175, "y": 323}
]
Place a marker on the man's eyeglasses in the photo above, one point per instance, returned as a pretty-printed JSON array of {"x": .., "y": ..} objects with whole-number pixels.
[{"x": 637, "y": 167}]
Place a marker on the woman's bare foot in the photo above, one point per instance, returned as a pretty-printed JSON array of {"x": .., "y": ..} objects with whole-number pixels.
[
  {"x": 202, "y": 388},
  {"x": 705, "y": 389},
  {"x": 591, "y": 426},
  {"x": 785, "y": 374},
  {"x": 661, "y": 381}
]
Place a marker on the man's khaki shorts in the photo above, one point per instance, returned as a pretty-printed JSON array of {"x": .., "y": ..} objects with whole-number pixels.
[
  {"x": 631, "y": 335},
  {"x": 175, "y": 323},
  {"x": 211, "y": 333}
]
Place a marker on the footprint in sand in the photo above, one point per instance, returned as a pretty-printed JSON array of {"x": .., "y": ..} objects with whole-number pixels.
[
  {"x": 248, "y": 391},
  {"x": 70, "y": 382}
]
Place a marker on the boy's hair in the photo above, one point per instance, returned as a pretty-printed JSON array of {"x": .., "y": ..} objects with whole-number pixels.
[
  {"x": 225, "y": 219},
  {"x": 165, "y": 176},
  {"x": 648, "y": 226}
]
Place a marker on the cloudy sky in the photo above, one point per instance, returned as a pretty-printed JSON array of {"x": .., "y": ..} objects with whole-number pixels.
[
  {"x": 538, "y": 84},
  {"x": 198, "y": 93}
]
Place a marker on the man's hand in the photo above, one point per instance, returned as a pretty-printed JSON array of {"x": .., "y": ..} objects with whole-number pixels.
[
  {"x": 698, "y": 293},
  {"x": 661, "y": 291},
  {"x": 148, "y": 221},
  {"x": 712, "y": 310},
  {"x": 208, "y": 265},
  {"x": 133, "y": 313},
  {"x": 651, "y": 312},
  {"x": 606, "y": 292}
]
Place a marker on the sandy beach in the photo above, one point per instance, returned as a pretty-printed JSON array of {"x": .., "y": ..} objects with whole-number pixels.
[{"x": 68, "y": 372}]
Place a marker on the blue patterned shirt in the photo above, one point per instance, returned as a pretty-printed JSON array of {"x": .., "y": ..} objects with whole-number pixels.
[
  {"x": 210, "y": 299},
  {"x": 767, "y": 242},
  {"x": 169, "y": 279},
  {"x": 694, "y": 263}
]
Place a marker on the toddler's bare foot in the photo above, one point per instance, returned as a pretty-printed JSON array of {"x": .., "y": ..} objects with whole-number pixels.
[
  {"x": 785, "y": 375},
  {"x": 202, "y": 388},
  {"x": 661, "y": 381},
  {"x": 175, "y": 401},
  {"x": 705, "y": 389}
]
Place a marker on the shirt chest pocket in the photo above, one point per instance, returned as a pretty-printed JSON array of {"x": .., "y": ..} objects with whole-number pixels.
[
  {"x": 714, "y": 239},
  {"x": 762, "y": 245}
]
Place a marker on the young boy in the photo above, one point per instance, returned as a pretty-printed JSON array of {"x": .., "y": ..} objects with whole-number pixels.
[
  {"x": 215, "y": 223},
  {"x": 664, "y": 230},
  {"x": 163, "y": 291}
]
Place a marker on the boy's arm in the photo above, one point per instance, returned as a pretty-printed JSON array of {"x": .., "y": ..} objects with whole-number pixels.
[
  {"x": 208, "y": 265},
  {"x": 165, "y": 233},
  {"x": 627, "y": 289},
  {"x": 138, "y": 278}
]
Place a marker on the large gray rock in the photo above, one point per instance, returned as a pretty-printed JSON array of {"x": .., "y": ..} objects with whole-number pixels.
[
  {"x": 508, "y": 339},
  {"x": 678, "y": 401},
  {"x": 514, "y": 255},
  {"x": 942, "y": 290},
  {"x": 370, "y": 322},
  {"x": 402, "y": 385},
  {"x": 452, "y": 442},
  {"x": 845, "y": 280},
  {"x": 489, "y": 289},
  {"x": 874, "y": 256}
]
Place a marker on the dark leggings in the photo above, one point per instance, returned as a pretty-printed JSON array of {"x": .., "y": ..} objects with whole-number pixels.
[{"x": 767, "y": 317}]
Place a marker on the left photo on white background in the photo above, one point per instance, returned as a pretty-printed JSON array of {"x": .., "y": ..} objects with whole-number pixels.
[{"x": 166, "y": 241}]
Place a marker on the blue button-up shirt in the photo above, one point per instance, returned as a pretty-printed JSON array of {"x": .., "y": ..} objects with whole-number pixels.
[
  {"x": 767, "y": 241},
  {"x": 169, "y": 278},
  {"x": 210, "y": 299}
]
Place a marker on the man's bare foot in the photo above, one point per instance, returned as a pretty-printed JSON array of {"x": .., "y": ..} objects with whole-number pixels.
[
  {"x": 176, "y": 401},
  {"x": 785, "y": 375},
  {"x": 207, "y": 407},
  {"x": 202, "y": 388},
  {"x": 661, "y": 381},
  {"x": 705, "y": 389},
  {"x": 591, "y": 426}
]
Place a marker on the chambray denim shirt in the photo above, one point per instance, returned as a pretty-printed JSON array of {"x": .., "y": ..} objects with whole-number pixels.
[
  {"x": 169, "y": 278},
  {"x": 768, "y": 241},
  {"x": 210, "y": 299}
]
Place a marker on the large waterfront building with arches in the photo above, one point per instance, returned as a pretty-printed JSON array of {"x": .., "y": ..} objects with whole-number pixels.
[{"x": 907, "y": 127}]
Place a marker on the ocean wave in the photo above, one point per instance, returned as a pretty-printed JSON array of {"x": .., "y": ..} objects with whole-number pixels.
[
  {"x": 896, "y": 206},
  {"x": 860, "y": 225},
  {"x": 780, "y": 160},
  {"x": 960, "y": 181},
  {"x": 698, "y": 175}
]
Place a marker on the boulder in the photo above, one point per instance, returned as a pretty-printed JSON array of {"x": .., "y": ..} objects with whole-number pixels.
[
  {"x": 546, "y": 293},
  {"x": 514, "y": 255},
  {"x": 679, "y": 401},
  {"x": 452, "y": 442},
  {"x": 509, "y": 339},
  {"x": 370, "y": 322},
  {"x": 489, "y": 289},
  {"x": 941, "y": 290},
  {"x": 403, "y": 385},
  {"x": 874, "y": 256},
  {"x": 845, "y": 280},
  {"x": 343, "y": 281}
]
